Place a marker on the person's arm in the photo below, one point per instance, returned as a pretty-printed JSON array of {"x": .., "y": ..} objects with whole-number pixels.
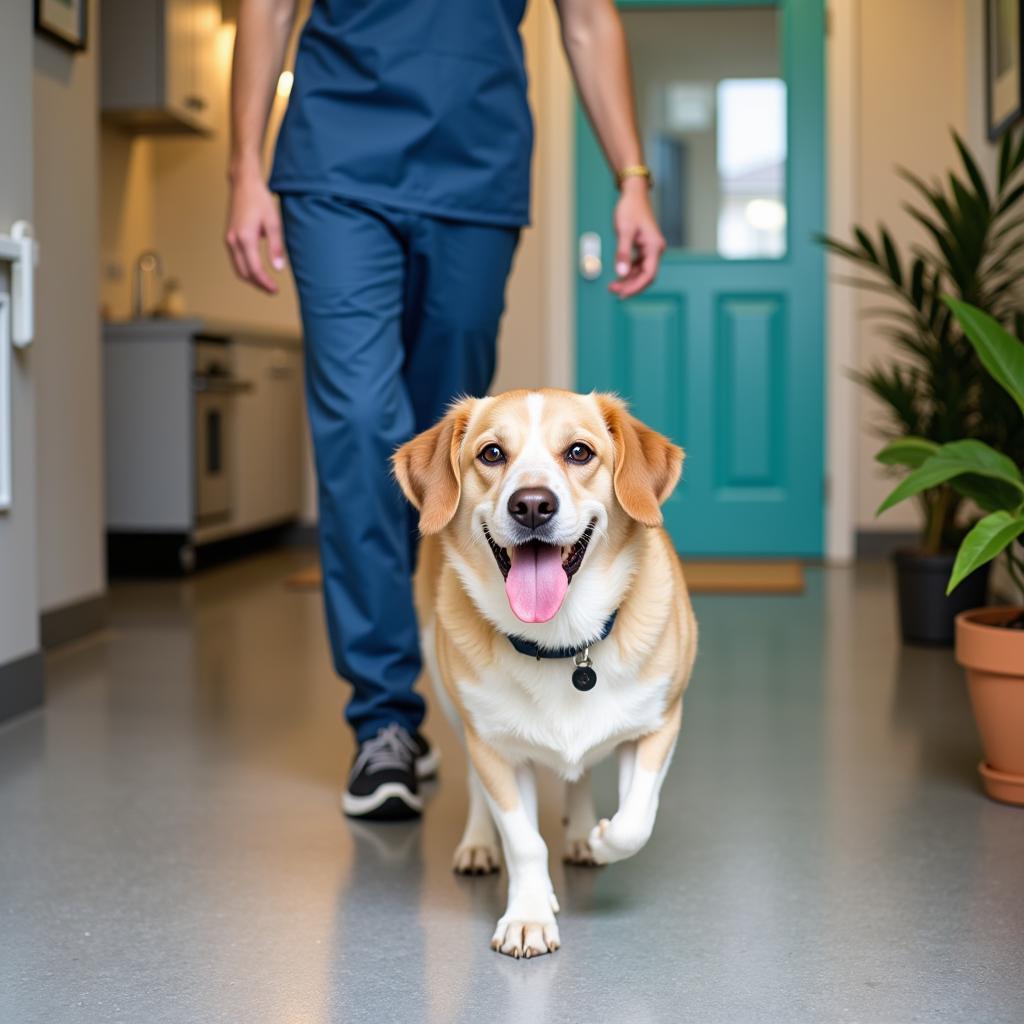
[
  {"x": 260, "y": 42},
  {"x": 595, "y": 44}
]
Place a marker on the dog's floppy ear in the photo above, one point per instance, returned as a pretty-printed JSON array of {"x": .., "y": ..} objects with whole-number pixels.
[
  {"x": 427, "y": 468},
  {"x": 647, "y": 464}
]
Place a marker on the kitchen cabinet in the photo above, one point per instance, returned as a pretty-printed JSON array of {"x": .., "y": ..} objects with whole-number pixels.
[
  {"x": 157, "y": 67},
  {"x": 268, "y": 434},
  {"x": 204, "y": 439}
]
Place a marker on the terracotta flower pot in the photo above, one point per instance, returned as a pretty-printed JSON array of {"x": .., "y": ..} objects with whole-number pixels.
[{"x": 994, "y": 659}]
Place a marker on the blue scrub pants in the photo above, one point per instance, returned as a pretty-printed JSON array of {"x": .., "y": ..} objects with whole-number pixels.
[{"x": 400, "y": 313}]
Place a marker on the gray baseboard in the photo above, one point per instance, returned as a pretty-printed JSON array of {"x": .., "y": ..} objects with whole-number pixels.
[
  {"x": 875, "y": 544},
  {"x": 21, "y": 685},
  {"x": 72, "y": 621}
]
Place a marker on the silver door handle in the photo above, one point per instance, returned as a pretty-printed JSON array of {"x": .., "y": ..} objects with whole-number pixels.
[
  {"x": 590, "y": 255},
  {"x": 214, "y": 385}
]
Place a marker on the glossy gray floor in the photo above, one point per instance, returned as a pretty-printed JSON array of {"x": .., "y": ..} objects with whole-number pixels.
[{"x": 171, "y": 847}]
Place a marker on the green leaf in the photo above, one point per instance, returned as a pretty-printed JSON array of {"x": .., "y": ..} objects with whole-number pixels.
[
  {"x": 972, "y": 171},
  {"x": 953, "y": 460},
  {"x": 1013, "y": 197},
  {"x": 917, "y": 283},
  {"x": 1018, "y": 156},
  {"x": 1005, "y": 158},
  {"x": 988, "y": 538},
  {"x": 865, "y": 243},
  {"x": 838, "y": 247},
  {"x": 990, "y": 495},
  {"x": 958, "y": 268},
  {"x": 892, "y": 258},
  {"x": 999, "y": 351},
  {"x": 907, "y": 451}
]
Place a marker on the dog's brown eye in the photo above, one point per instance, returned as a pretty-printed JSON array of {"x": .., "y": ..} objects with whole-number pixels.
[
  {"x": 491, "y": 455},
  {"x": 579, "y": 453}
]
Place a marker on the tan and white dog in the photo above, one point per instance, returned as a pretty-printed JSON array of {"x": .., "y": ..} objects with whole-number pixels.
[{"x": 541, "y": 518}]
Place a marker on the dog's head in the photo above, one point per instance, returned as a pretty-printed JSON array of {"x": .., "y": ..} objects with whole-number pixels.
[{"x": 530, "y": 485}]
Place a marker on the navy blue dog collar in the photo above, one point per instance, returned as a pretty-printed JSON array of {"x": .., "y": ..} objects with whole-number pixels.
[{"x": 583, "y": 677}]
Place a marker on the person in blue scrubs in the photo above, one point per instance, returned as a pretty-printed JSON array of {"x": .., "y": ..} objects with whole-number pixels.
[{"x": 403, "y": 173}]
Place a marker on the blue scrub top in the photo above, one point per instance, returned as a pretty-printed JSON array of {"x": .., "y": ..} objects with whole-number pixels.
[{"x": 419, "y": 104}]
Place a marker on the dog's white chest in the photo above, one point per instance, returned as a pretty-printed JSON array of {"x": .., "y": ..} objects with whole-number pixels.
[{"x": 528, "y": 709}]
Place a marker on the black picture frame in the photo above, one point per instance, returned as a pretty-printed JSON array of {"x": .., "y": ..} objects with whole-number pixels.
[
  {"x": 1002, "y": 113},
  {"x": 75, "y": 38}
]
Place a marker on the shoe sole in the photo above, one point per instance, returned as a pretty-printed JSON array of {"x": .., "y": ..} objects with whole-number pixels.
[
  {"x": 390, "y": 802},
  {"x": 427, "y": 765}
]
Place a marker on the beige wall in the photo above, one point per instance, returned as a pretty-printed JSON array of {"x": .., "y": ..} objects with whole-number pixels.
[
  {"x": 912, "y": 87},
  {"x": 66, "y": 353},
  {"x": 521, "y": 354},
  {"x": 126, "y": 214}
]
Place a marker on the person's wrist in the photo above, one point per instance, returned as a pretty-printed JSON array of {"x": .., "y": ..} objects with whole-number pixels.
[
  {"x": 635, "y": 186},
  {"x": 244, "y": 167}
]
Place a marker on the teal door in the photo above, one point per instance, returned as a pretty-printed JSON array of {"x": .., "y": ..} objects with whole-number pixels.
[{"x": 725, "y": 352}]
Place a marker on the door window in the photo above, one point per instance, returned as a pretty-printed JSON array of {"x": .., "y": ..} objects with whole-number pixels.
[{"x": 711, "y": 102}]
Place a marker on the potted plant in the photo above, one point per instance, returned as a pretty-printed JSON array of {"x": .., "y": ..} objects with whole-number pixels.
[
  {"x": 989, "y": 641},
  {"x": 937, "y": 391}
]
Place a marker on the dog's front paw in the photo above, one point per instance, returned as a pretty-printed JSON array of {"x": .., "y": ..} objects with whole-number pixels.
[
  {"x": 476, "y": 859},
  {"x": 615, "y": 840},
  {"x": 525, "y": 938},
  {"x": 528, "y": 928}
]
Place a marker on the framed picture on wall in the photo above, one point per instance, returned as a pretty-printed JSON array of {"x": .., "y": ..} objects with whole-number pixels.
[
  {"x": 1005, "y": 82},
  {"x": 63, "y": 20}
]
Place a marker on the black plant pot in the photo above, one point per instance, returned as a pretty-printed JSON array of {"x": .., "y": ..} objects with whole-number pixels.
[{"x": 926, "y": 613}]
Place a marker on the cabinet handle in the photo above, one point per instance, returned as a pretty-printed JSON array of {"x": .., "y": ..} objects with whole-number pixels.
[
  {"x": 216, "y": 385},
  {"x": 280, "y": 373},
  {"x": 195, "y": 102}
]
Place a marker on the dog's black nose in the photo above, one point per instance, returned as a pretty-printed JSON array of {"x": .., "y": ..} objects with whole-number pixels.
[{"x": 532, "y": 506}]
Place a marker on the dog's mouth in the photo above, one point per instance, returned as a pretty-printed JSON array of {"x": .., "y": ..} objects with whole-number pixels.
[{"x": 537, "y": 574}]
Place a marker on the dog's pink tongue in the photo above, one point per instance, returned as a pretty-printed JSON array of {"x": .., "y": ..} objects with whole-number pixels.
[{"x": 536, "y": 583}]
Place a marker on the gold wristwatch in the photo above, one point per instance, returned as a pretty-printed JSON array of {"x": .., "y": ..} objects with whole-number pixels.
[{"x": 634, "y": 171}]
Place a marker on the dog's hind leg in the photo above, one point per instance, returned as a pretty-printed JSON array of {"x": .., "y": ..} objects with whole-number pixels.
[
  {"x": 580, "y": 819},
  {"x": 477, "y": 852}
]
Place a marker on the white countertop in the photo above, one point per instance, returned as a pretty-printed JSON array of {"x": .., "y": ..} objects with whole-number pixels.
[{"x": 189, "y": 328}]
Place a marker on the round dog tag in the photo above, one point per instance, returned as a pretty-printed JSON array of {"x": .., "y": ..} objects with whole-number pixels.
[{"x": 584, "y": 678}]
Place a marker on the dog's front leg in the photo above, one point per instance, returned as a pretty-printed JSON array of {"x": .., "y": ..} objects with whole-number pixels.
[
  {"x": 642, "y": 769},
  {"x": 527, "y": 928}
]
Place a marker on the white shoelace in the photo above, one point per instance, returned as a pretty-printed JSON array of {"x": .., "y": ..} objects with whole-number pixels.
[{"x": 392, "y": 747}]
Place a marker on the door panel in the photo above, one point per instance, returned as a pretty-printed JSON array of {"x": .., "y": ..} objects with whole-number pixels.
[
  {"x": 750, "y": 335},
  {"x": 725, "y": 352}
]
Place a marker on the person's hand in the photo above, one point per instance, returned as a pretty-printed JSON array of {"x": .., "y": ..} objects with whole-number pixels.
[
  {"x": 252, "y": 217},
  {"x": 639, "y": 242}
]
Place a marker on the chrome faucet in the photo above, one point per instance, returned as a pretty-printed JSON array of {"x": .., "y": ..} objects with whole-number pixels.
[{"x": 148, "y": 263}]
